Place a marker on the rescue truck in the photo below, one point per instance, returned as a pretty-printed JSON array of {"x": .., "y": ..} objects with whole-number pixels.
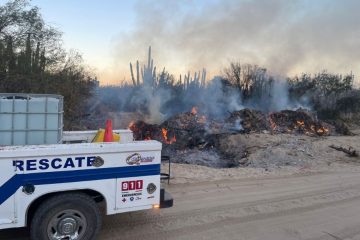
[{"x": 59, "y": 190}]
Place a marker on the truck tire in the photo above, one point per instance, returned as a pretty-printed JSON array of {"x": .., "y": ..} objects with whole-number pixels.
[{"x": 66, "y": 216}]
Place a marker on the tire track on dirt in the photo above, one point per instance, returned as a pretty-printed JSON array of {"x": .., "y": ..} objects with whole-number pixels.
[
  {"x": 214, "y": 220},
  {"x": 189, "y": 213}
]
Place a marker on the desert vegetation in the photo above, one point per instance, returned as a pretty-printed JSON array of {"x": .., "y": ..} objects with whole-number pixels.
[
  {"x": 332, "y": 96},
  {"x": 32, "y": 59}
]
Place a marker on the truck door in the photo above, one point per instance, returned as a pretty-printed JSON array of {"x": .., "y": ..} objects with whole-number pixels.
[{"x": 7, "y": 192}]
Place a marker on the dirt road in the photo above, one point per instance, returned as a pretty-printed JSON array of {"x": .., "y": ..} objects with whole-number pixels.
[{"x": 317, "y": 206}]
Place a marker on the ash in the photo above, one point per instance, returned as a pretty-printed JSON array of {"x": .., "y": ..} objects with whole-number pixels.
[
  {"x": 204, "y": 157},
  {"x": 209, "y": 158}
]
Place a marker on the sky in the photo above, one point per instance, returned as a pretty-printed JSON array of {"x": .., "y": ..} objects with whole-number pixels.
[{"x": 287, "y": 37}]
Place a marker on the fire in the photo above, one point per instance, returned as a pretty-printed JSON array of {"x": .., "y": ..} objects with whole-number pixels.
[
  {"x": 165, "y": 136},
  {"x": 300, "y": 123},
  {"x": 139, "y": 131},
  {"x": 164, "y": 132},
  {"x": 322, "y": 130},
  {"x": 272, "y": 123},
  {"x": 194, "y": 110},
  {"x": 132, "y": 125},
  {"x": 200, "y": 119}
]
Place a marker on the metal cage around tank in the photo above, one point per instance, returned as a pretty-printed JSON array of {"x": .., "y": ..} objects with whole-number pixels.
[{"x": 27, "y": 119}]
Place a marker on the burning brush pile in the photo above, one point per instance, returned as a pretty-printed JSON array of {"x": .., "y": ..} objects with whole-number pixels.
[
  {"x": 182, "y": 131},
  {"x": 299, "y": 122},
  {"x": 192, "y": 137}
]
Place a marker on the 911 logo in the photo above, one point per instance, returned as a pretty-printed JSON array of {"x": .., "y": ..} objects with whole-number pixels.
[{"x": 132, "y": 185}]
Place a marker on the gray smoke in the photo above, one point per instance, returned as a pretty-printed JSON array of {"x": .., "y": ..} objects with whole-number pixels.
[
  {"x": 286, "y": 37},
  {"x": 160, "y": 103},
  {"x": 156, "y": 99}
]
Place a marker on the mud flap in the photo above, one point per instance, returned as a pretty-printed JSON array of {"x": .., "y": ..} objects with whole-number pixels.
[{"x": 166, "y": 200}]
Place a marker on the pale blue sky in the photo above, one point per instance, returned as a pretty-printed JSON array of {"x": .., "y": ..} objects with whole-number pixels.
[
  {"x": 287, "y": 37},
  {"x": 89, "y": 26}
]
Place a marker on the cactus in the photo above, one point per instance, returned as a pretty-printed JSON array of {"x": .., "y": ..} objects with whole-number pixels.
[
  {"x": 150, "y": 78},
  {"x": 137, "y": 73},
  {"x": 203, "y": 77},
  {"x": 147, "y": 72},
  {"x": 132, "y": 74}
]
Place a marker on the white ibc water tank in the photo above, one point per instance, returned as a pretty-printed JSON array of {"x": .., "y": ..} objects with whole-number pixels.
[{"x": 30, "y": 119}]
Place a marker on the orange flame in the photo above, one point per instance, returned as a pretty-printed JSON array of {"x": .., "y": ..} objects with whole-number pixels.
[
  {"x": 272, "y": 123},
  {"x": 132, "y": 125},
  {"x": 322, "y": 130},
  {"x": 138, "y": 130},
  {"x": 300, "y": 123},
  {"x": 165, "y": 136},
  {"x": 164, "y": 132},
  {"x": 194, "y": 110}
]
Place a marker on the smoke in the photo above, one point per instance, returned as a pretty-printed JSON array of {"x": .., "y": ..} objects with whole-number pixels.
[
  {"x": 158, "y": 97},
  {"x": 279, "y": 96},
  {"x": 238, "y": 125},
  {"x": 287, "y": 37},
  {"x": 156, "y": 102},
  {"x": 214, "y": 100}
]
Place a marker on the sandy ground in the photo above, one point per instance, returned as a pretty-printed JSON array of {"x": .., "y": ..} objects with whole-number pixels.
[
  {"x": 272, "y": 151},
  {"x": 319, "y": 200}
]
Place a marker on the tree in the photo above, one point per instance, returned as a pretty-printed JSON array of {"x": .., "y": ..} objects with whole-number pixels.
[
  {"x": 252, "y": 81},
  {"x": 32, "y": 59}
]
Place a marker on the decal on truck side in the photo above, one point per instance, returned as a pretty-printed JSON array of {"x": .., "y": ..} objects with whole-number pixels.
[
  {"x": 132, "y": 185},
  {"x": 42, "y": 178},
  {"x": 56, "y": 163},
  {"x": 136, "y": 159},
  {"x": 132, "y": 190}
]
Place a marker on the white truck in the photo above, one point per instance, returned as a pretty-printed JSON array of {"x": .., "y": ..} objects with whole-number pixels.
[{"x": 55, "y": 189}]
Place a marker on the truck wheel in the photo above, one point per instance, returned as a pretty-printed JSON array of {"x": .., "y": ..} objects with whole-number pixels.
[{"x": 69, "y": 216}]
